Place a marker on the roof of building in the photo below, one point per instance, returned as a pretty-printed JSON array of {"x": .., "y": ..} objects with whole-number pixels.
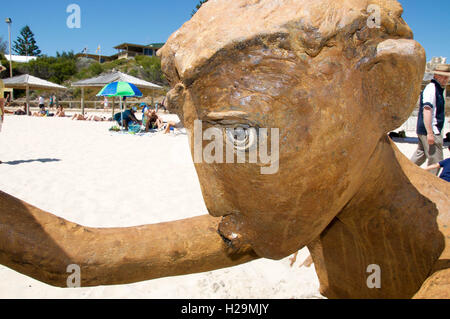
[
  {"x": 22, "y": 81},
  {"x": 105, "y": 79},
  {"x": 150, "y": 46},
  {"x": 20, "y": 58},
  {"x": 156, "y": 45}
]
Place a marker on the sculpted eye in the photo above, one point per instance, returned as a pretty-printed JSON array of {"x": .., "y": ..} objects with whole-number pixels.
[{"x": 242, "y": 138}]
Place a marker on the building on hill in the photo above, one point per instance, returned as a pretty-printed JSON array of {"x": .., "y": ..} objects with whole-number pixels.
[
  {"x": 129, "y": 50},
  {"x": 20, "y": 58},
  {"x": 96, "y": 57},
  {"x": 125, "y": 51}
]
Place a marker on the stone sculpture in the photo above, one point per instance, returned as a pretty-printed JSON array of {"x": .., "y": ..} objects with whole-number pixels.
[{"x": 334, "y": 77}]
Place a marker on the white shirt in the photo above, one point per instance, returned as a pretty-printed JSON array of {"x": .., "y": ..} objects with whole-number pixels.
[
  {"x": 41, "y": 100},
  {"x": 429, "y": 96}
]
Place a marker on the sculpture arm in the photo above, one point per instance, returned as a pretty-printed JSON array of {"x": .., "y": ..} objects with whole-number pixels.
[{"x": 42, "y": 246}]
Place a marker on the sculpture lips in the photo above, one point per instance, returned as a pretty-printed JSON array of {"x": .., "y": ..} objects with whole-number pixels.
[{"x": 229, "y": 232}]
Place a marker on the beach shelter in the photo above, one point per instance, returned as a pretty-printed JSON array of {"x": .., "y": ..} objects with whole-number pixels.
[
  {"x": 116, "y": 76},
  {"x": 28, "y": 82},
  {"x": 122, "y": 90}
]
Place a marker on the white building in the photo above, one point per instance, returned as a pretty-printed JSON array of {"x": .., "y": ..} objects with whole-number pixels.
[{"x": 20, "y": 58}]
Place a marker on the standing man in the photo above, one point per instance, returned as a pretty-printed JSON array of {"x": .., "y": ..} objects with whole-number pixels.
[
  {"x": 41, "y": 102},
  {"x": 431, "y": 119},
  {"x": 2, "y": 100},
  {"x": 50, "y": 106}
]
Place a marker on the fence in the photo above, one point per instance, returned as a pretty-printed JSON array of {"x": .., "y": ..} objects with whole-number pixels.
[{"x": 87, "y": 104}]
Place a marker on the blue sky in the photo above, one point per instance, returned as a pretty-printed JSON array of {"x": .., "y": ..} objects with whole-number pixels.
[{"x": 111, "y": 22}]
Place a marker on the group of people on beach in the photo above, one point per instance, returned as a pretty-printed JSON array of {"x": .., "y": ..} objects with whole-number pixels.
[{"x": 150, "y": 119}]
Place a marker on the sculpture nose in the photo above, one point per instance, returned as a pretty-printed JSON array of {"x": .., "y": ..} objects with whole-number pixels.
[
  {"x": 395, "y": 51},
  {"x": 401, "y": 47}
]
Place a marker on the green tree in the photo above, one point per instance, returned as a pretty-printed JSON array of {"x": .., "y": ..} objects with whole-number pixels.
[
  {"x": 150, "y": 69},
  {"x": 55, "y": 69},
  {"x": 198, "y": 6},
  {"x": 3, "y": 45},
  {"x": 26, "y": 44}
]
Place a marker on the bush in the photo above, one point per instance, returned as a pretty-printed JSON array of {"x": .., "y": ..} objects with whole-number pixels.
[{"x": 55, "y": 69}]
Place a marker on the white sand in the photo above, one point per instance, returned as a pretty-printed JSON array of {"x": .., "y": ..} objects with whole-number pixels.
[{"x": 83, "y": 173}]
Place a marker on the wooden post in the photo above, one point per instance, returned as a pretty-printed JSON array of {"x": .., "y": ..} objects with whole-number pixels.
[
  {"x": 113, "y": 106},
  {"x": 28, "y": 100},
  {"x": 82, "y": 101}
]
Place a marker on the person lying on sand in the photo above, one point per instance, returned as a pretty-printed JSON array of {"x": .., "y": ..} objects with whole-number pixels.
[
  {"x": 41, "y": 113},
  {"x": 171, "y": 125},
  {"x": 96, "y": 118},
  {"x": 79, "y": 117},
  {"x": 21, "y": 111}
]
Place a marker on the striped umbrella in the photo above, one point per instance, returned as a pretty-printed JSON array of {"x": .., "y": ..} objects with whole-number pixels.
[{"x": 122, "y": 89}]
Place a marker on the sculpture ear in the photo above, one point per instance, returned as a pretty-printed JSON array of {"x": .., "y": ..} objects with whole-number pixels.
[
  {"x": 392, "y": 79},
  {"x": 175, "y": 101}
]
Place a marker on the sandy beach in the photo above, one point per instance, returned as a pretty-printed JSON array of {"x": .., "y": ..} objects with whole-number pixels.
[{"x": 83, "y": 173}]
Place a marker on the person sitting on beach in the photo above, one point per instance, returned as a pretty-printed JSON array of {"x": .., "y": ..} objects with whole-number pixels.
[
  {"x": 128, "y": 116},
  {"x": 445, "y": 164},
  {"x": 151, "y": 120},
  {"x": 60, "y": 112}
]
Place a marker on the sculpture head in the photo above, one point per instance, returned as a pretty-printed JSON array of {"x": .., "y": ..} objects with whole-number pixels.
[{"x": 332, "y": 76}]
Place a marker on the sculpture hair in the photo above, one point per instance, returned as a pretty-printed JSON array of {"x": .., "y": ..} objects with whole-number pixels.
[{"x": 314, "y": 25}]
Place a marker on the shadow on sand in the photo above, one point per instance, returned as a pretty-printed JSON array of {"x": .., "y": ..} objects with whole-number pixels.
[{"x": 42, "y": 160}]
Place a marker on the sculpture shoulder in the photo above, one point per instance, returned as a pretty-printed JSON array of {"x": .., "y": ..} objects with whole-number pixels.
[
  {"x": 437, "y": 286},
  {"x": 435, "y": 189}
]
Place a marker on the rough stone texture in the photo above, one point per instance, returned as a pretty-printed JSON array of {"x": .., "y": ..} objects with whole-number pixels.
[{"x": 334, "y": 87}]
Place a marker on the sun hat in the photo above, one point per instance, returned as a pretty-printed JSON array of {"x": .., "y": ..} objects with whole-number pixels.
[{"x": 442, "y": 69}]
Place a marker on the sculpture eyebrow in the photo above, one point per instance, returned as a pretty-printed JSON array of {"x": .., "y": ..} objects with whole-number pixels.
[{"x": 227, "y": 115}]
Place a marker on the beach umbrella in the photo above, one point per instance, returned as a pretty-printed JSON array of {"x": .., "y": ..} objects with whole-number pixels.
[{"x": 121, "y": 89}]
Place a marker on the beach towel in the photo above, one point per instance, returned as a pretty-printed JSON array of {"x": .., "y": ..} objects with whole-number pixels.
[{"x": 134, "y": 128}]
